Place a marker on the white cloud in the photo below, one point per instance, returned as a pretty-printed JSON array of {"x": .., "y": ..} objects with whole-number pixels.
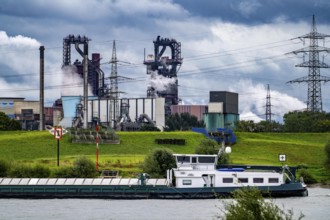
[
  {"x": 17, "y": 41},
  {"x": 17, "y": 52},
  {"x": 252, "y": 101}
]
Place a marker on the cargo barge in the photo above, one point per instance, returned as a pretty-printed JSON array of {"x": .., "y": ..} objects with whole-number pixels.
[{"x": 195, "y": 177}]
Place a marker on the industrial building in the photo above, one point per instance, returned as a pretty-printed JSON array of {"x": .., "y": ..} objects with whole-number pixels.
[
  {"x": 221, "y": 112},
  {"x": 195, "y": 110},
  {"x": 104, "y": 107},
  {"x": 164, "y": 66},
  {"x": 28, "y": 113},
  {"x": 133, "y": 112},
  {"x": 95, "y": 75}
]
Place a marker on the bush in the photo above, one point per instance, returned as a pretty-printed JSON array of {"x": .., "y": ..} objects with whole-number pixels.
[
  {"x": 27, "y": 171},
  {"x": 20, "y": 171},
  {"x": 207, "y": 146},
  {"x": 84, "y": 168},
  {"x": 248, "y": 204},
  {"x": 4, "y": 167},
  {"x": 158, "y": 162},
  {"x": 149, "y": 127},
  {"x": 224, "y": 159},
  {"x": 63, "y": 172},
  {"x": 308, "y": 178},
  {"x": 40, "y": 171},
  {"x": 8, "y": 124}
]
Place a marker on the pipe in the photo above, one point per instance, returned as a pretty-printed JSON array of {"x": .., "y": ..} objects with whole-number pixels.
[
  {"x": 79, "y": 50},
  {"x": 41, "y": 104}
]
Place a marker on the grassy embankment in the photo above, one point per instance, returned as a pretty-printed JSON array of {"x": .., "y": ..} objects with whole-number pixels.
[{"x": 252, "y": 148}]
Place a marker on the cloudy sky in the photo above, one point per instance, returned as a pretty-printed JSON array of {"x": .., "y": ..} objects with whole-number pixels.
[{"x": 228, "y": 45}]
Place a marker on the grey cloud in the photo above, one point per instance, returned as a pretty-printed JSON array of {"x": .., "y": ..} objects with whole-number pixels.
[{"x": 258, "y": 11}]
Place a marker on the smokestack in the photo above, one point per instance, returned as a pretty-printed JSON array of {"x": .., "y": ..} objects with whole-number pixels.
[
  {"x": 85, "y": 85},
  {"x": 41, "y": 105}
]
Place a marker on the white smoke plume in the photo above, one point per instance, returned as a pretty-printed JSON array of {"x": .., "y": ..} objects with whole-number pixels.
[
  {"x": 73, "y": 84},
  {"x": 159, "y": 82}
]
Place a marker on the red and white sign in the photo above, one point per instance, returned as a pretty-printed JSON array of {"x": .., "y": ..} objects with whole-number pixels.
[{"x": 58, "y": 133}]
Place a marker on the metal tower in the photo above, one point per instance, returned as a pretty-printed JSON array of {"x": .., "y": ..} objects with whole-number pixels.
[
  {"x": 114, "y": 94},
  {"x": 164, "y": 68},
  {"x": 268, "y": 106},
  {"x": 95, "y": 75},
  {"x": 114, "y": 73},
  {"x": 314, "y": 79}
]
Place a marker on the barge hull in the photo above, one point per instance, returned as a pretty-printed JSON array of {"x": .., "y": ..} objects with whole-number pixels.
[{"x": 139, "y": 192}]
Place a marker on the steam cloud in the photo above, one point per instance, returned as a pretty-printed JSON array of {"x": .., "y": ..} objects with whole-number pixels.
[
  {"x": 73, "y": 84},
  {"x": 160, "y": 83}
]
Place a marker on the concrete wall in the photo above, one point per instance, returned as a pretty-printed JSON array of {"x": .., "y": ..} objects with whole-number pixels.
[
  {"x": 7, "y": 105},
  {"x": 34, "y": 105}
]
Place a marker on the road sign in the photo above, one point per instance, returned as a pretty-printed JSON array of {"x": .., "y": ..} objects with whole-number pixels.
[
  {"x": 282, "y": 157},
  {"x": 58, "y": 133}
]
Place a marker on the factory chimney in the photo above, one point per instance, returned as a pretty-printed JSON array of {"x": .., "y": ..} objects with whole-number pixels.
[
  {"x": 41, "y": 105},
  {"x": 85, "y": 85}
]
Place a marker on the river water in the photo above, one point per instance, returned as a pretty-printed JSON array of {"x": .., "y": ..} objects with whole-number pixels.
[{"x": 315, "y": 207}]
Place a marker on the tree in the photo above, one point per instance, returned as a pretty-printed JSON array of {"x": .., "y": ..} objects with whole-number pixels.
[
  {"x": 182, "y": 122},
  {"x": 209, "y": 146},
  {"x": 245, "y": 126},
  {"x": 266, "y": 126},
  {"x": 8, "y": 124},
  {"x": 306, "y": 122},
  {"x": 262, "y": 126},
  {"x": 249, "y": 204},
  {"x": 158, "y": 162}
]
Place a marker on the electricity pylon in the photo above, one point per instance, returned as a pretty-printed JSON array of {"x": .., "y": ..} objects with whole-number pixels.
[
  {"x": 268, "y": 106},
  {"x": 314, "y": 79}
]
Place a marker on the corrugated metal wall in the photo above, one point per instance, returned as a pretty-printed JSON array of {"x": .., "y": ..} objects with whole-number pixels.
[{"x": 196, "y": 110}]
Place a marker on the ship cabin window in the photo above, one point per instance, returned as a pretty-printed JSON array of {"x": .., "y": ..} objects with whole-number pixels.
[
  {"x": 183, "y": 159},
  {"x": 243, "y": 180},
  {"x": 186, "y": 182},
  {"x": 194, "y": 159},
  {"x": 273, "y": 180},
  {"x": 206, "y": 159},
  {"x": 227, "y": 180},
  {"x": 258, "y": 180}
]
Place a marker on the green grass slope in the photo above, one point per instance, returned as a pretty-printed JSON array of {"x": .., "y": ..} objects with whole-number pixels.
[{"x": 252, "y": 148}]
